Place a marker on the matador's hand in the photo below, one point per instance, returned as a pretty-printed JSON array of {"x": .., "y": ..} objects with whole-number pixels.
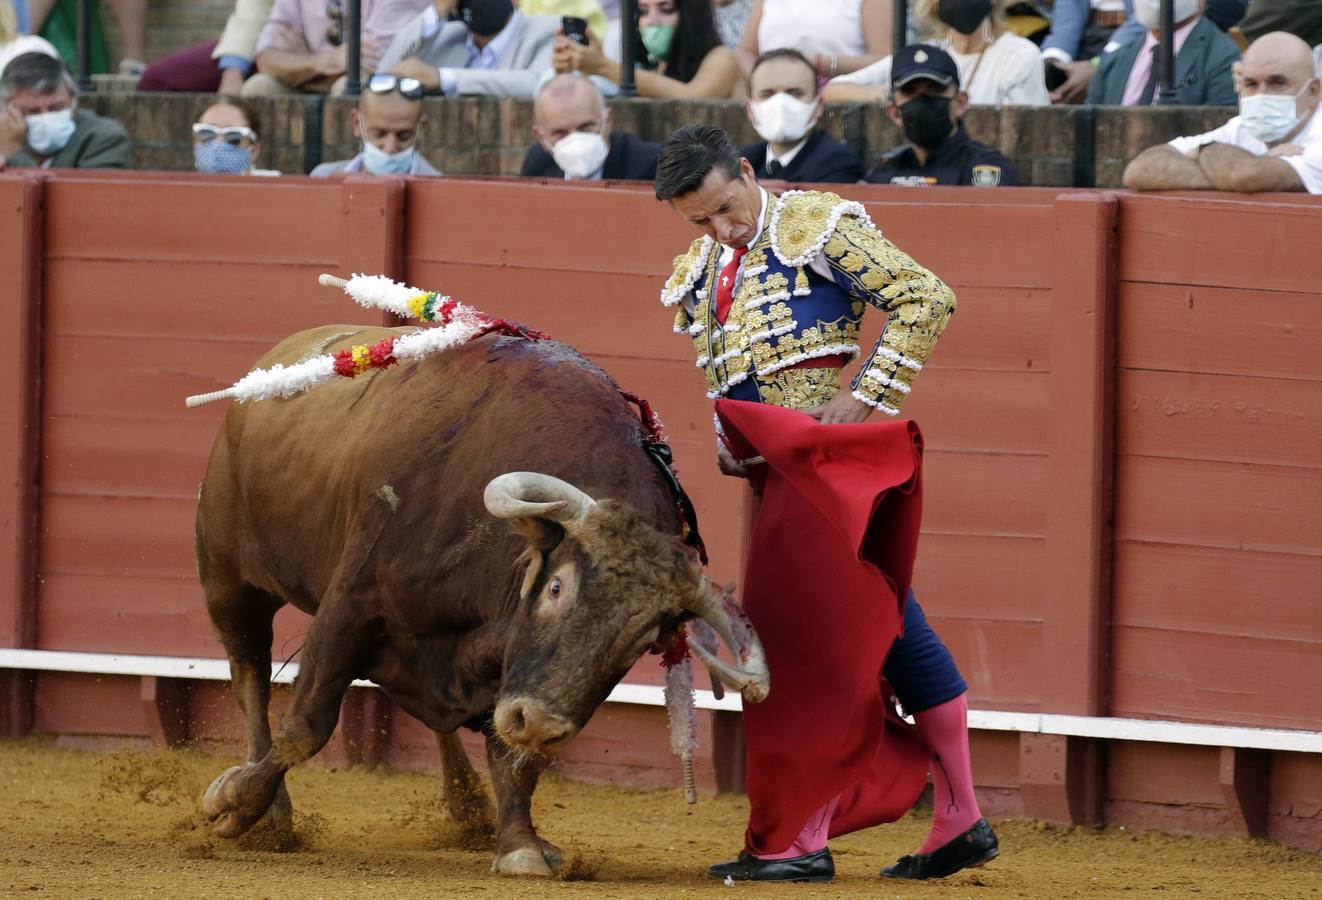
[
  {"x": 842, "y": 409},
  {"x": 728, "y": 465}
]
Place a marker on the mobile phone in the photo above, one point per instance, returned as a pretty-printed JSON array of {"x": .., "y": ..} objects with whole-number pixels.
[
  {"x": 575, "y": 29},
  {"x": 1054, "y": 75}
]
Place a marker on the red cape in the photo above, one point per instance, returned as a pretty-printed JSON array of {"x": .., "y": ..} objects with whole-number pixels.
[{"x": 827, "y": 572}]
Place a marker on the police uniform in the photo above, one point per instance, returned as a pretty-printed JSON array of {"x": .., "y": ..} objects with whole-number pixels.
[
  {"x": 796, "y": 306},
  {"x": 960, "y": 160}
]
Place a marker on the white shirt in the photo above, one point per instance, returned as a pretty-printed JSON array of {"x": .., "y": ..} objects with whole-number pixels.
[
  {"x": 836, "y": 27},
  {"x": 818, "y": 264},
  {"x": 1009, "y": 74},
  {"x": 1308, "y": 164},
  {"x": 487, "y": 57},
  {"x": 788, "y": 156}
]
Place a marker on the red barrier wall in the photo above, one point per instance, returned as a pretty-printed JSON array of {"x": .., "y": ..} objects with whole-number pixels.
[{"x": 1121, "y": 425}]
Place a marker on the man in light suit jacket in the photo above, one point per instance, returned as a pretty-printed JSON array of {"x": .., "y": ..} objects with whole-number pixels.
[
  {"x": 1204, "y": 56},
  {"x": 492, "y": 50}
]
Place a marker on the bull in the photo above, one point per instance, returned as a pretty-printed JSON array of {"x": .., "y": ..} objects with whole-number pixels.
[{"x": 372, "y": 504}]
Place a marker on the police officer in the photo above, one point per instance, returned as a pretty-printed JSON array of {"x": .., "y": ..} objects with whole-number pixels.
[{"x": 928, "y": 105}]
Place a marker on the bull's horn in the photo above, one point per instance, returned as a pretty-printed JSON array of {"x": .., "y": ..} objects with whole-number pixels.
[
  {"x": 749, "y": 676},
  {"x": 519, "y": 495}
]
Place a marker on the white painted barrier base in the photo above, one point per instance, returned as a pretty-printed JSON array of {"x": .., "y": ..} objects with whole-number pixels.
[{"x": 651, "y": 695}]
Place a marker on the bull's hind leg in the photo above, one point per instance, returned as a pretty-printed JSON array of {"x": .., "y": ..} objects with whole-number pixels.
[
  {"x": 331, "y": 659},
  {"x": 462, "y": 795},
  {"x": 242, "y": 615},
  {"x": 519, "y": 849}
]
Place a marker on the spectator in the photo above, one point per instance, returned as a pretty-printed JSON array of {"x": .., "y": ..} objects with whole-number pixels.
[
  {"x": 57, "y": 20},
  {"x": 929, "y": 107},
  {"x": 679, "y": 53},
  {"x": 227, "y": 139},
  {"x": 213, "y": 66},
  {"x": 576, "y": 138},
  {"x": 13, "y": 42},
  {"x": 996, "y": 67},
  {"x": 1274, "y": 144},
  {"x": 838, "y": 36},
  {"x": 589, "y": 10},
  {"x": 1298, "y": 17},
  {"x": 732, "y": 20},
  {"x": 387, "y": 119},
  {"x": 42, "y": 127},
  {"x": 493, "y": 49},
  {"x": 1081, "y": 30},
  {"x": 302, "y": 47},
  {"x": 1203, "y": 57},
  {"x": 784, "y": 106}
]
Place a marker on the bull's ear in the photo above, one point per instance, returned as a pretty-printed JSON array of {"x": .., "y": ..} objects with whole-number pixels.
[
  {"x": 534, "y": 559},
  {"x": 542, "y": 535}
]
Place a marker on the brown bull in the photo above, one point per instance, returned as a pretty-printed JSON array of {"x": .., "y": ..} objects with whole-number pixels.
[{"x": 370, "y": 505}]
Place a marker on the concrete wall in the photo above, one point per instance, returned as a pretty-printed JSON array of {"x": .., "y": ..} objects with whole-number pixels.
[{"x": 1054, "y": 147}]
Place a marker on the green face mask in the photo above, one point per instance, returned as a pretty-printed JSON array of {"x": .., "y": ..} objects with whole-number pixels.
[{"x": 657, "y": 40}]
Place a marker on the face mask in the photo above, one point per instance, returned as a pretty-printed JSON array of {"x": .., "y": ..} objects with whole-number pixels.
[
  {"x": 1269, "y": 117},
  {"x": 1149, "y": 11},
  {"x": 580, "y": 153},
  {"x": 48, "y": 133},
  {"x": 657, "y": 40},
  {"x": 219, "y": 158},
  {"x": 965, "y": 15},
  {"x": 379, "y": 162},
  {"x": 782, "y": 119},
  {"x": 486, "y": 17},
  {"x": 927, "y": 120}
]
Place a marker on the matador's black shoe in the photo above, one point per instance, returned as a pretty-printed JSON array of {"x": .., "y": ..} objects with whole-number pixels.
[
  {"x": 975, "y": 847},
  {"x": 815, "y": 867}
]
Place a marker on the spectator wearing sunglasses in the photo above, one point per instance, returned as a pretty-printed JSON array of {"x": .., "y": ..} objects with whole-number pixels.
[
  {"x": 490, "y": 48},
  {"x": 303, "y": 46},
  {"x": 386, "y": 119},
  {"x": 226, "y": 139}
]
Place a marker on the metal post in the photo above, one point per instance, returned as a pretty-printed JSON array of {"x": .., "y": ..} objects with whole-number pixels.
[
  {"x": 84, "y": 40},
  {"x": 353, "y": 22},
  {"x": 1166, "y": 56},
  {"x": 899, "y": 24},
  {"x": 628, "y": 40}
]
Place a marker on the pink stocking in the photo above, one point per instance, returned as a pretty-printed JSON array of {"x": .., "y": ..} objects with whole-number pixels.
[
  {"x": 945, "y": 731},
  {"x": 813, "y": 836}
]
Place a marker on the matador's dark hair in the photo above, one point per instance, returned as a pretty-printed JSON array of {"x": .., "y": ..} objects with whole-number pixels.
[{"x": 689, "y": 155}]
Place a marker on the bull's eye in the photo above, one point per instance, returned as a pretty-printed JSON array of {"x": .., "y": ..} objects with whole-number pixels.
[{"x": 553, "y": 589}]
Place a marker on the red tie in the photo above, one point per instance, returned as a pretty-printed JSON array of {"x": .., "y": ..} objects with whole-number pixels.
[{"x": 725, "y": 284}]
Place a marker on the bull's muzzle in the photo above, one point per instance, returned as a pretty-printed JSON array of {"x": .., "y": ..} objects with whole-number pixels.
[{"x": 526, "y": 723}]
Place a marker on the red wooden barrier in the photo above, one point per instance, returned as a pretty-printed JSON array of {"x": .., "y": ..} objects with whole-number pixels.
[{"x": 1122, "y": 429}]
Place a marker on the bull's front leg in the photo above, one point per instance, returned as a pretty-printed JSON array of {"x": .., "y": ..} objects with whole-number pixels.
[
  {"x": 519, "y": 850},
  {"x": 240, "y": 796}
]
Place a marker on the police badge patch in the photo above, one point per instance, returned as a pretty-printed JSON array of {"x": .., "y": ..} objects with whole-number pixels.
[{"x": 986, "y": 176}]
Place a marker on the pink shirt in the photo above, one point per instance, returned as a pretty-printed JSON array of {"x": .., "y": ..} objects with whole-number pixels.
[
  {"x": 1138, "y": 76},
  {"x": 302, "y": 26}
]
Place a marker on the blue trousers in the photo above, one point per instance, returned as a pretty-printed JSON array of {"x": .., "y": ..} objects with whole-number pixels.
[{"x": 920, "y": 669}]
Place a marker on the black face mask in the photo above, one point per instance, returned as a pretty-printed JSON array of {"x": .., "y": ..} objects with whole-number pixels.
[
  {"x": 927, "y": 120},
  {"x": 485, "y": 18},
  {"x": 963, "y": 15}
]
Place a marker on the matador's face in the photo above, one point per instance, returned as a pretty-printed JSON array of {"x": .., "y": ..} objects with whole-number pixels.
[{"x": 723, "y": 208}]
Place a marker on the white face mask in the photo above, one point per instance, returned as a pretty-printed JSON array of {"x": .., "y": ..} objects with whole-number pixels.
[
  {"x": 782, "y": 119},
  {"x": 379, "y": 162},
  {"x": 1149, "y": 11},
  {"x": 580, "y": 154},
  {"x": 48, "y": 133},
  {"x": 1269, "y": 117}
]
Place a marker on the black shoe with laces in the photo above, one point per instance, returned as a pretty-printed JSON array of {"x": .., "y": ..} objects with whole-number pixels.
[{"x": 975, "y": 847}]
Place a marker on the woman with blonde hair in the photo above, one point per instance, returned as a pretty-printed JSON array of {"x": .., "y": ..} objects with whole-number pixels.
[{"x": 996, "y": 66}]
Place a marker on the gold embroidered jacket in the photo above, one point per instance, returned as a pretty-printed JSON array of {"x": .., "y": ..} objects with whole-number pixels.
[{"x": 784, "y": 311}]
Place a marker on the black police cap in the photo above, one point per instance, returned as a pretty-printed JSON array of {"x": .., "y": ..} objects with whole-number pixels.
[{"x": 916, "y": 61}]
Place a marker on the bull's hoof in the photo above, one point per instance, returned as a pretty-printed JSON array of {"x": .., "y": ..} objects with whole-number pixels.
[
  {"x": 222, "y": 808},
  {"x": 544, "y": 860}
]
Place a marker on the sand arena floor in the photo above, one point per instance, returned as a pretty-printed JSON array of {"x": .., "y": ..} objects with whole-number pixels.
[{"x": 76, "y": 824}]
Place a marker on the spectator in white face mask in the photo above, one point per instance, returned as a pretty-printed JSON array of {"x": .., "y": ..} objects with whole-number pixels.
[
  {"x": 1274, "y": 144},
  {"x": 1204, "y": 55},
  {"x": 41, "y": 125},
  {"x": 387, "y": 119},
  {"x": 784, "y": 107},
  {"x": 576, "y": 140}
]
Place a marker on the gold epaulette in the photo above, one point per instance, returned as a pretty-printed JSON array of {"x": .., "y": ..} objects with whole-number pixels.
[
  {"x": 803, "y": 221},
  {"x": 688, "y": 268}
]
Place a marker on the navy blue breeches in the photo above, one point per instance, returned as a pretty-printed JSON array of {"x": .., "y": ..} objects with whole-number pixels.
[{"x": 920, "y": 669}]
